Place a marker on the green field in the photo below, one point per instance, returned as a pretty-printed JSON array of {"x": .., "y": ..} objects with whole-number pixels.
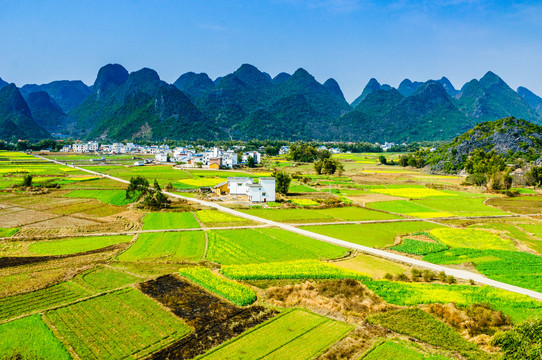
[
  {"x": 231, "y": 290},
  {"x": 512, "y": 267},
  {"x": 303, "y": 269},
  {"x": 519, "y": 307},
  {"x": 215, "y": 218},
  {"x": 8, "y": 232},
  {"x": 167, "y": 246},
  {"x": 76, "y": 245},
  {"x": 29, "y": 338},
  {"x": 420, "y": 325},
  {"x": 251, "y": 246},
  {"x": 391, "y": 350},
  {"x": 169, "y": 220},
  {"x": 113, "y": 197},
  {"x": 416, "y": 247},
  {"x": 116, "y": 326},
  {"x": 102, "y": 279},
  {"x": 373, "y": 235},
  {"x": 28, "y": 303},
  {"x": 295, "y": 335}
]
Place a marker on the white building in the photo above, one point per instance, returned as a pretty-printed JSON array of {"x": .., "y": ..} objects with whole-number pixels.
[
  {"x": 80, "y": 147},
  {"x": 161, "y": 157},
  {"x": 93, "y": 146},
  {"x": 239, "y": 185},
  {"x": 255, "y": 155}
]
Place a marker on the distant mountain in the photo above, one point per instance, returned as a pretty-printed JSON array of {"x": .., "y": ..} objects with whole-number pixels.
[
  {"x": 371, "y": 86},
  {"x": 67, "y": 94},
  {"x": 46, "y": 113},
  {"x": 491, "y": 98},
  {"x": 194, "y": 85},
  {"x": 450, "y": 89},
  {"x": 505, "y": 136},
  {"x": 3, "y": 84},
  {"x": 530, "y": 98},
  {"x": 407, "y": 87},
  {"x": 280, "y": 78},
  {"x": 333, "y": 87},
  {"x": 140, "y": 106},
  {"x": 15, "y": 117}
]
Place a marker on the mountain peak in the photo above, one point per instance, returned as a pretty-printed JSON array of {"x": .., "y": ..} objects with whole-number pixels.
[
  {"x": 109, "y": 76},
  {"x": 407, "y": 87},
  {"x": 371, "y": 86},
  {"x": 332, "y": 85},
  {"x": 250, "y": 75},
  {"x": 2, "y": 83},
  {"x": 450, "y": 89},
  {"x": 280, "y": 78},
  {"x": 491, "y": 79},
  {"x": 302, "y": 73}
]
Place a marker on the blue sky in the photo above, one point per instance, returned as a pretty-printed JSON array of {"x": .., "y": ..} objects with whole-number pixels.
[{"x": 349, "y": 40}]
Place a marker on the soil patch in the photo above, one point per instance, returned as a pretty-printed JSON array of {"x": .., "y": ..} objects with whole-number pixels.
[{"x": 214, "y": 320}]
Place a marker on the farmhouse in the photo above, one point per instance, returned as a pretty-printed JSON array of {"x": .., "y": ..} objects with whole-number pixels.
[
  {"x": 262, "y": 192},
  {"x": 239, "y": 185},
  {"x": 221, "y": 189}
]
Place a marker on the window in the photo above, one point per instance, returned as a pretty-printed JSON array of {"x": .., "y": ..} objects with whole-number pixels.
[
  {"x": 263, "y": 194},
  {"x": 239, "y": 184}
]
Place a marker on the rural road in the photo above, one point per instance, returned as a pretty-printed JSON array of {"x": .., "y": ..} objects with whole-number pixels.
[{"x": 460, "y": 274}]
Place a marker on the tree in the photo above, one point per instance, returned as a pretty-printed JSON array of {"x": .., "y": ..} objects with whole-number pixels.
[
  {"x": 251, "y": 162},
  {"x": 282, "y": 182},
  {"x": 535, "y": 176},
  {"x": 153, "y": 198},
  {"x": 302, "y": 152},
  {"x": 523, "y": 342},
  {"x": 382, "y": 160},
  {"x": 328, "y": 166},
  {"x": 27, "y": 181},
  {"x": 138, "y": 187}
]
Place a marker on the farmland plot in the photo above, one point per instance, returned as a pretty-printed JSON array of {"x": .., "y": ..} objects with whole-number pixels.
[
  {"x": 215, "y": 218},
  {"x": 391, "y": 350},
  {"x": 30, "y": 338},
  {"x": 76, "y": 245},
  {"x": 294, "y": 335},
  {"x": 471, "y": 238},
  {"x": 169, "y": 220},
  {"x": 113, "y": 197},
  {"x": 102, "y": 279},
  {"x": 116, "y": 326},
  {"x": 167, "y": 246},
  {"x": 249, "y": 246}
]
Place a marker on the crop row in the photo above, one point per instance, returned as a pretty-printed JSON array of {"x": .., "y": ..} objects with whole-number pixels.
[{"x": 231, "y": 290}]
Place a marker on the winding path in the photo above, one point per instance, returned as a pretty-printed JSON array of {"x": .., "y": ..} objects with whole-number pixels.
[{"x": 460, "y": 274}]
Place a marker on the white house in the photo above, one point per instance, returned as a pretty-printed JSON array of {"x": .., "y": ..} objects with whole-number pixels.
[
  {"x": 255, "y": 155},
  {"x": 239, "y": 185},
  {"x": 161, "y": 157},
  {"x": 92, "y": 146}
]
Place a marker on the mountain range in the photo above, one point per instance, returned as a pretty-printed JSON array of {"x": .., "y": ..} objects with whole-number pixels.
[{"x": 250, "y": 104}]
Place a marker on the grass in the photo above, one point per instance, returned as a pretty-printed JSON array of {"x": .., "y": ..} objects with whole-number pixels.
[
  {"x": 300, "y": 189},
  {"x": 237, "y": 293},
  {"x": 76, "y": 245},
  {"x": 117, "y": 325},
  {"x": 512, "y": 267},
  {"x": 305, "y": 269},
  {"x": 102, "y": 279},
  {"x": 198, "y": 182},
  {"x": 417, "y": 247},
  {"x": 471, "y": 238},
  {"x": 519, "y": 205},
  {"x": 422, "y": 326},
  {"x": 28, "y": 303},
  {"x": 412, "y": 193},
  {"x": 113, "y": 197},
  {"x": 215, "y": 218},
  {"x": 252, "y": 246},
  {"x": 30, "y": 338},
  {"x": 7, "y": 232},
  {"x": 291, "y": 215},
  {"x": 294, "y": 335},
  {"x": 372, "y": 265},
  {"x": 519, "y": 307},
  {"x": 167, "y": 246},
  {"x": 352, "y": 213},
  {"x": 169, "y": 220},
  {"x": 373, "y": 235},
  {"x": 391, "y": 350}
]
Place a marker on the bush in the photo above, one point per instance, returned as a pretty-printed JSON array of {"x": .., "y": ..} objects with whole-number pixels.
[
  {"x": 428, "y": 275},
  {"x": 27, "y": 181},
  {"x": 524, "y": 342}
]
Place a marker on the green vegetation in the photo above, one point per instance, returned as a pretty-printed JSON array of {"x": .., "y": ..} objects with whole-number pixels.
[
  {"x": 215, "y": 218},
  {"x": 231, "y": 290},
  {"x": 76, "y": 245},
  {"x": 391, "y": 350},
  {"x": 512, "y": 267},
  {"x": 254, "y": 246},
  {"x": 373, "y": 235},
  {"x": 294, "y": 335},
  {"x": 471, "y": 238},
  {"x": 417, "y": 247},
  {"x": 116, "y": 325},
  {"x": 29, "y": 338},
  {"x": 103, "y": 279},
  {"x": 169, "y": 220},
  {"x": 167, "y": 246},
  {"x": 113, "y": 197},
  {"x": 28, "y": 303},
  {"x": 282, "y": 182},
  {"x": 305, "y": 269},
  {"x": 519, "y": 307},
  {"x": 8, "y": 232},
  {"x": 524, "y": 342},
  {"x": 146, "y": 196},
  {"x": 420, "y": 325}
]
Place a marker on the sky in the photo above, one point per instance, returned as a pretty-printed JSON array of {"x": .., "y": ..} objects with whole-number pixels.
[{"x": 348, "y": 40}]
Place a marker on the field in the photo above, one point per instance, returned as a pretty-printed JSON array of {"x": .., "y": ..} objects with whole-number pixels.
[
  {"x": 102, "y": 279},
  {"x": 373, "y": 266},
  {"x": 390, "y": 350},
  {"x": 254, "y": 246},
  {"x": 471, "y": 238},
  {"x": 293, "y": 335},
  {"x": 215, "y": 218},
  {"x": 113, "y": 197},
  {"x": 30, "y": 338},
  {"x": 168, "y": 246},
  {"x": 416, "y": 247},
  {"x": 237, "y": 293},
  {"x": 169, "y": 220},
  {"x": 373, "y": 235},
  {"x": 7, "y": 232},
  {"x": 95, "y": 328},
  {"x": 75, "y": 245}
]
